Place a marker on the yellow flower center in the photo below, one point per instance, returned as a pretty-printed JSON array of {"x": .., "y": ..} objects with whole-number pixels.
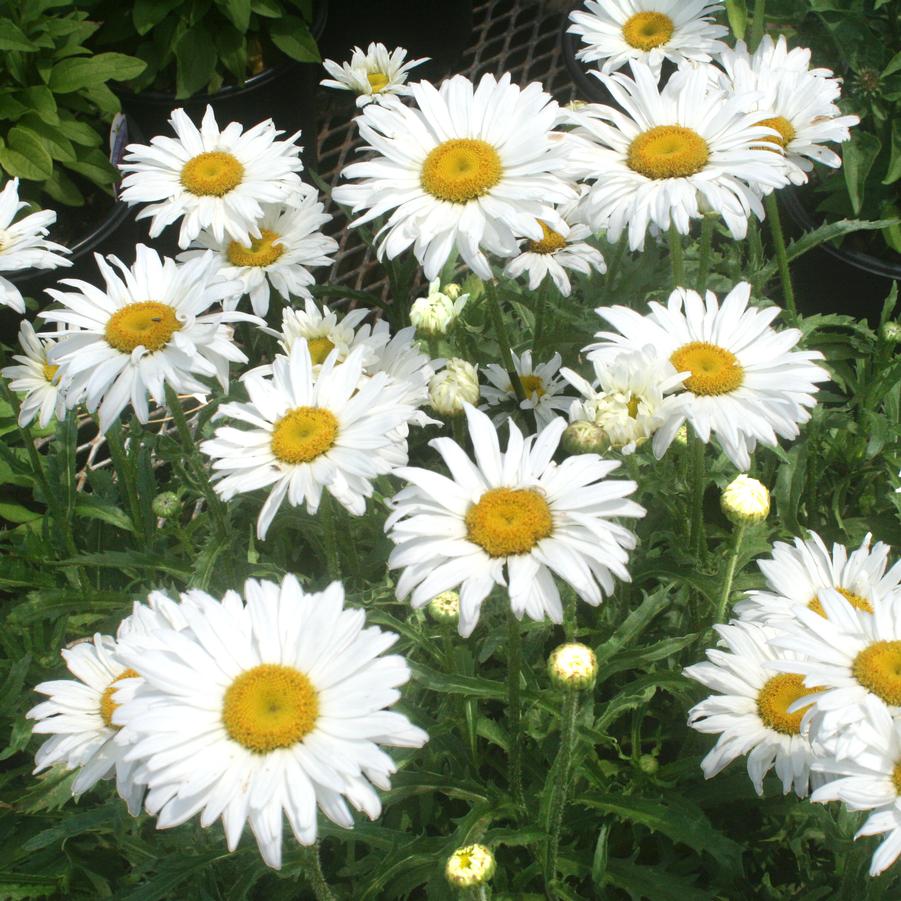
[
  {"x": 303, "y": 434},
  {"x": 714, "y": 370},
  {"x": 146, "y": 323},
  {"x": 531, "y": 384},
  {"x": 377, "y": 81},
  {"x": 270, "y": 707},
  {"x": 508, "y": 521},
  {"x": 107, "y": 704},
  {"x": 49, "y": 371},
  {"x": 855, "y": 600},
  {"x": 632, "y": 406},
  {"x": 668, "y": 151},
  {"x": 319, "y": 349},
  {"x": 878, "y": 669},
  {"x": 646, "y": 31},
  {"x": 896, "y": 777},
  {"x": 211, "y": 174},
  {"x": 550, "y": 242},
  {"x": 263, "y": 251},
  {"x": 461, "y": 170},
  {"x": 776, "y": 696},
  {"x": 784, "y": 127}
]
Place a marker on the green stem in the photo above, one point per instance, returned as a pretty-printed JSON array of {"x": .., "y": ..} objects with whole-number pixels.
[
  {"x": 615, "y": 262},
  {"x": 458, "y": 429},
  {"x": 755, "y": 255},
  {"x": 315, "y": 875},
  {"x": 540, "y": 303},
  {"x": 557, "y": 805},
  {"x": 514, "y": 666},
  {"x": 696, "y": 531},
  {"x": 730, "y": 574},
  {"x": 500, "y": 331},
  {"x": 675, "y": 253},
  {"x": 759, "y": 23},
  {"x": 330, "y": 535},
  {"x": 125, "y": 474},
  {"x": 772, "y": 213},
  {"x": 708, "y": 224}
]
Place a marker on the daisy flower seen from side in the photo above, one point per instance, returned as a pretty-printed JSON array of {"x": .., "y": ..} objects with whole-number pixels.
[
  {"x": 753, "y": 712},
  {"x": 373, "y": 75},
  {"x": 146, "y": 329},
  {"x": 36, "y": 379},
  {"x": 212, "y": 179},
  {"x": 308, "y": 434},
  {"x": 290, "y": 243},
  {"x": 264, "y": 708},
  {"x": 467, "y": 166},
  {"x": 671, "y": 154},
  {"x": 619, "y": 31},
  {"x": 512, "y": 519},
  {"x": 745, "y": 384},
  {"x": 24, "y": 244},
  {"x": 542, "y": 385},
  {"x": 796, "y": 573}
]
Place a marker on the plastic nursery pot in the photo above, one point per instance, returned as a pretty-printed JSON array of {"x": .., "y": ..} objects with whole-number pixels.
[
  {"x": 285, "y": 93},
  {"x": 833, "y": 279},
  {"x": 441, "y": 31}
]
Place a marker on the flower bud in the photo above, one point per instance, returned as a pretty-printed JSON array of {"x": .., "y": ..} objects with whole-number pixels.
[
  {"x": 470, "y": 866},
  {"x": 456, "y": 384},
  {"x": 444, "y": 608},
  {"x": 573, "y": 665},
  {"x": 745, "y": 501},
  {"x": 648, "y": 764},
  {"x": 682, "y": 435},
  {"x": 166, "y": 505},
  {"x": 452, "y": 290},
  {"x": 437, "y": 313},
  {"x": 891, "y": 331},
  {"x": 584, "y": 437}
]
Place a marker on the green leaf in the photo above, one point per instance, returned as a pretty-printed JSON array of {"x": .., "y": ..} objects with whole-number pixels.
[
  {"x": 237, "y": 12},
  {"x": 171, "y": 873},
  {"x": 79, "y": 132},
  {"x": 13, "y": 38},
  {"x": 57, "y": 145},
  {"x": 76, "y": 73},
  {"x": 75, "y": 824},
  {"x": 858, "y": 155},
  {"x": 737, "y": 14},
  {"x": 642, "y": 881},
  {"x": 269, "y": 9},
  {"x": 62, "y": 189},
  {"x": 40, "y": 99},
  {"x": 12, "y": 512},
  {"x": 894, "y": 163},
  {"x": 634, "y": 624},
  {"x": 20, "y": 886},
  {"x": 292, "y": 36},
  {"x": 196, "y": 57},
  {"x": 51, "y": 603},
  {"x": 10, "y": 107},
  {"x": 25, "y": 155},
  {"x": 90, "y": 506},
  {"x": 94, "y": 165},
  {"x": 145, "y": 14}
]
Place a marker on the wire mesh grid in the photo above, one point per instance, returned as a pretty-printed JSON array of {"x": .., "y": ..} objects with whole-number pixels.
[{"x": 516, "y": 36}]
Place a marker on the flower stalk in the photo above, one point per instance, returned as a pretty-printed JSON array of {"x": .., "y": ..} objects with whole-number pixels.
[
  {"x": 560, "y": 789},
  {"x": 708, "y": 224},
  {"x": 514, "y": 711},
  {"x": 315, "y": 876},
  {"x": 503, "y": 340},
  {"x": 772, "y": 212},
  {"x": 737, "y": 538},
  {"x": 676, "y": 260}
]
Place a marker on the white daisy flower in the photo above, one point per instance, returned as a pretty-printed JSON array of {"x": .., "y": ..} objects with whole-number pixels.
[
  {"x": 211, "y": 179},
  {"x": 542, "y": 385},
  {"x": 674, "y": 153},
  {"x": 23, "y": 244},
  {"x": 852, "y": 665},
  {"x": 290, "y": 242},
  {"x": 744, "y": 382},
  {"x": 797, "y": 103},
  {"x": 332, "y": 432},
  {"x": 630, "y": 397},
  {"x": 619, "y": 31},
  {"x": 373, "y": 75},
  {"x": 270, "y": 705},
  {"x": 754, "y": 713},
  {"x": 145, "y": 330},
  {"x": 871, "y": 781},
  {"x": 468, "y": 167},
  {"x": 797, "y": 573},
  {"x": 511, "y": 519},
  {"x": 36, "y": 379}
]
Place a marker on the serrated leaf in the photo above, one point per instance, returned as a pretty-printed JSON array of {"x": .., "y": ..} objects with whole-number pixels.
[
  {"x": 633, "y": 625},
  {"x": 171, "y": 873},
  {"x": 642, "y": 881},
  {"x": 18, "y": 513},
  {"x": 51, "y": 603},
  {"x": 858, "y": 156},
  {"x": 90, "y": 506}
]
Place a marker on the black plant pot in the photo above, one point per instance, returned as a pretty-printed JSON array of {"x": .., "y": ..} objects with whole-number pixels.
[
  {"x": 588, "y": 87},
  {"x": 441, "y": 31},
  {"x": 286, "y": 93},
  {"x": 834, "y": 279}
]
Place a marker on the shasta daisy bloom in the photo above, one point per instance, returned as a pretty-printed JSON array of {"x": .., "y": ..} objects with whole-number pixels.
[
  {"x": 470, "y": 167},
  {"x": 675, "y": 152},
  {"x": 264, "y": 708},
  {"x": 290, "y": 243},
  {"x": 754, "y": 711},
  {"x": 511, "y": 519},
  {"x": 146, "y": 329},
  {"x": 211, "y": 179},
  {"x": 333, "y": 432},
  {"x": 23, "y": 244},
  {"x": 630, "y": 397},
  {"x": 798, "y": 572},
  {"x": 36, "y": 379},
  {"x": 619, "y": 31},
  {"x": 745, "y": 384},
  {"x": 852, "y": 659},
  {"x": 542, "y": 386},
  {"x": 799, "y": 104},
  {"x": 373, "y": 74},
  {"x": 871, "y": 781}
]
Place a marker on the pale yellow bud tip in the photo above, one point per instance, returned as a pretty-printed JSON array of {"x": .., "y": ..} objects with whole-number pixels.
[
  {"x": 573, "y": 665},
  {"x": 445, "y": 607},
  {"x": 745, "y": 501},
  {"x": 470, "y": 866}
]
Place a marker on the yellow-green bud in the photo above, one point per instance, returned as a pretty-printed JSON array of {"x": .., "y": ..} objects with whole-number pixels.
[
  {"x": 891, "y": 331},
  {"x": 470, "y": 866},
  {"x": 573, "y": 665},
  {"x": 745, "y": 501},
  {"x": 437, "y": 313},
  {"x": 456, "y": 384},
  {"x": 682, "y": 435},
  {"x": 648, "y": 764},
  {"x": 584, "y": 437},
  {"x": 452, "y": 290},
  {"x": 445, "y": 607},
  {"x": 166, "y": 505}
]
